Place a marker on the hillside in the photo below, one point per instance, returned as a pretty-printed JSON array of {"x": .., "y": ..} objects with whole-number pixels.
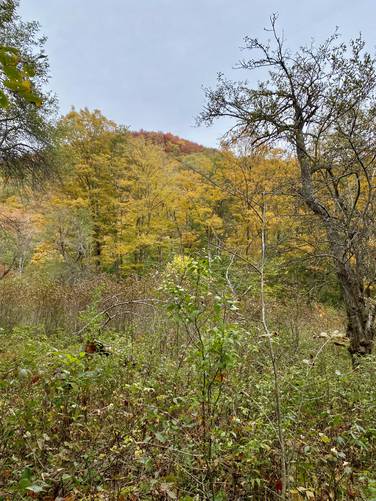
[{"x": 170, "y": 143}]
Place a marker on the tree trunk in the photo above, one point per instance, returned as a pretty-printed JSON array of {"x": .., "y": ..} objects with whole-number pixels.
[
  {"x": 360, "y": 312},
  {"x": 97, "y": 248}
]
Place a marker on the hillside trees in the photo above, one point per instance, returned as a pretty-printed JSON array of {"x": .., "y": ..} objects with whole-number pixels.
[
  {"x": 319, "y": 102},
  {"x": 126, "y": 186},
  {"x": 90, "y": 173},
  {"x": 126, "y": 205},
  {"x": 123, "y": 183},
  {"x": 145, "y": 230},
  {"x": 140, "y": 203},
  {"x": 123, "y": 204}
]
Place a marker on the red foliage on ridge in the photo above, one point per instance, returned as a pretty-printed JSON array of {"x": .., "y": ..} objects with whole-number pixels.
[{"x": 169, "y": 142}]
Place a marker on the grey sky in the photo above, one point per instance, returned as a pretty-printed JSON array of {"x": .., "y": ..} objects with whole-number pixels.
[{"x": 143, "y": 62}]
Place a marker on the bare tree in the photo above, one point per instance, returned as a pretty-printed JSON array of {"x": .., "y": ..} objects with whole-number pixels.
[{"x": 319, "y": 102}]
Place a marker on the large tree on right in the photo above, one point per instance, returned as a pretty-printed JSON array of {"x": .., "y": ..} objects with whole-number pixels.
[{"x": 319, "y": 102}]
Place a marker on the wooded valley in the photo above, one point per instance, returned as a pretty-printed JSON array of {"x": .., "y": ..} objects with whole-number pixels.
[{"x": 185, "y": 322}]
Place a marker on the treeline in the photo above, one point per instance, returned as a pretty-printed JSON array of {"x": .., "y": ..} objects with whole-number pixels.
[{"x": 124, "y": 203}]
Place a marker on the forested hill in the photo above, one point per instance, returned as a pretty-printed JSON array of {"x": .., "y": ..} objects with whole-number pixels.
[
  {"x": 126, "y": 202},
  {"x": 169, "y": 142}
]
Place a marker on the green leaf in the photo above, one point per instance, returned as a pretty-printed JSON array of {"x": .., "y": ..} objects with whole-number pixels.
[{"x": 25, "y": 479}]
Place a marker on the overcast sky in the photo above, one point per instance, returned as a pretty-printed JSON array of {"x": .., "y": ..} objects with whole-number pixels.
[{"x": 143, "y": 62}]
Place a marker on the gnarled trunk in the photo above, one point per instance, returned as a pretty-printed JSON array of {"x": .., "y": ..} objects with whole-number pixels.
[{"x": 360, "y": 311}]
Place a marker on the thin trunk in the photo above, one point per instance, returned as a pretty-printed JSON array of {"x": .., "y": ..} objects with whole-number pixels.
[
  {"x": 97, "y": 248},
  {"x": 277, "y": 390}
]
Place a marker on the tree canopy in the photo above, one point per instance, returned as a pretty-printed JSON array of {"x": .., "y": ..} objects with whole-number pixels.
[{"x": 25, "y": 107}]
